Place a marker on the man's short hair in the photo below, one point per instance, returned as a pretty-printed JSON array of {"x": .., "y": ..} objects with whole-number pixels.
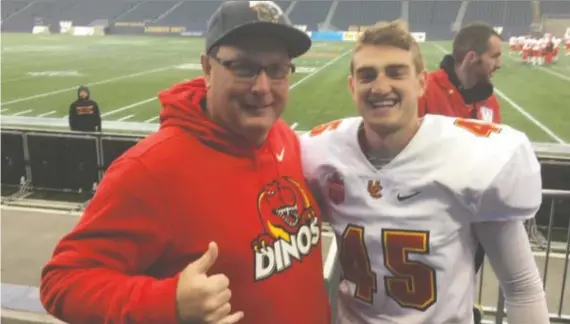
[
  {"x": 395, "y": 34},
  {"x": 473, "y": 37}
]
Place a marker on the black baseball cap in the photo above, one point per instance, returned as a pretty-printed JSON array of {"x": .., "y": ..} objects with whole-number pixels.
[{"x": 236, "y": 19}]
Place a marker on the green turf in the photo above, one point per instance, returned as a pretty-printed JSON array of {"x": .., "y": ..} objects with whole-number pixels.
[{"x": 126, "y": 71}]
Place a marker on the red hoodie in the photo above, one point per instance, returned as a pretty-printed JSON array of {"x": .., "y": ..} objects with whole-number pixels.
[
  {"x": 163, "y": 201},
  {"x": 441, "y": 97}
]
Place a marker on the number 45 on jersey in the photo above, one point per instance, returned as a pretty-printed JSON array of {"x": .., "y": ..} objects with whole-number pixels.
[{"x": 412, "y": 284}]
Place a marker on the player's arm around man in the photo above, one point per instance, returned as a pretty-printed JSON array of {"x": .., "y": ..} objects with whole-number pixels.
[{"x": 514, "y": 195}]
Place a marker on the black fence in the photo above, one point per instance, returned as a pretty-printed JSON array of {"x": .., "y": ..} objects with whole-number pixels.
[
  {"x": 59, "y": 161},
  {"x": 76, "y": 162}
]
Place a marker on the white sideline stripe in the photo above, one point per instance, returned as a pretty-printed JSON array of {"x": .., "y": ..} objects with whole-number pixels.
[
  {"x": 293, "y": 86},
  {"x": 46, "y": 94},
  {"x": 520, "y": 109},
  {"x": 4, "y": 110},
  {"x": 22, "y": 112},
  {"x": 47, "y": 114},
  {"x": 118, "y": 110},
  {"x": 126, "y": 117}
]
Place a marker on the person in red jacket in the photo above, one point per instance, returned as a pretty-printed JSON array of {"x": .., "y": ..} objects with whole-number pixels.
[
  {"x": 461, "y": 87},
  {"x": 208, "y": 220}
]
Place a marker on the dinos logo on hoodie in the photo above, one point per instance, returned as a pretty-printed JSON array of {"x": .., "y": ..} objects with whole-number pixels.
[{"x": 291, "y": 227}]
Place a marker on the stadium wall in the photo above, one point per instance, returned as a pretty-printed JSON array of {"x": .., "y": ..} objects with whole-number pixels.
[
  {"x": 161, "y": 30},
  {"x": 141, "y": 28}
]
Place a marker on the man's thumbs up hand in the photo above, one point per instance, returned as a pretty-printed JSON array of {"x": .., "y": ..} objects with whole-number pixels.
[
  {"x": 205, "y": 299},
  {"x": 205, "y": 262}
]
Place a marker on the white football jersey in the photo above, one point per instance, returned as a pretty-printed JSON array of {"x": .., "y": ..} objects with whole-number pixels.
[{"x": 404, "y": 231}]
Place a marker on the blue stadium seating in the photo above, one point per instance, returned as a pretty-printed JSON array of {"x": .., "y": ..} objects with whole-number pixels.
[{"x": 436, "y": 18}]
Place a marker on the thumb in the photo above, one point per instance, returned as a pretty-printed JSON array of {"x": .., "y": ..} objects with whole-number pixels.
[{"x": 207, "y": 260}]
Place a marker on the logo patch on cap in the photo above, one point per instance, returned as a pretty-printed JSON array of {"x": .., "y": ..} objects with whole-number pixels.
[{"x": 267, "y": 11}]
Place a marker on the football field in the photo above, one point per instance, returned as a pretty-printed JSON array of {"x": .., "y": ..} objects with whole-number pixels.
[{"x": 40, "y": 76}]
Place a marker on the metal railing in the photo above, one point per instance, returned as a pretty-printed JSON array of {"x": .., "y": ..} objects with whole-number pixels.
[
  {"x": 544, "y": 247},
  {"x": 549, "y": 243}
]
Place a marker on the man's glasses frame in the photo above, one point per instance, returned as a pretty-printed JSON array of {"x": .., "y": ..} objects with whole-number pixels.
[{"x": 248, "y": 70}]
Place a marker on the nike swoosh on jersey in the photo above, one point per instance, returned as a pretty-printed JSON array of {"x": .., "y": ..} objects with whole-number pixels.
[{"x": 406, "y": 197}]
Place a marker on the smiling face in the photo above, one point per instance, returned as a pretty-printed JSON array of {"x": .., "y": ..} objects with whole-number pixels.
[
  {"x": 385, "y": 84},
  {"x": 248, "y": 85}
]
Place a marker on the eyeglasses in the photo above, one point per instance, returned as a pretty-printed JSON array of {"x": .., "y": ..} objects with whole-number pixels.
[{"x": 249, "y": 70}]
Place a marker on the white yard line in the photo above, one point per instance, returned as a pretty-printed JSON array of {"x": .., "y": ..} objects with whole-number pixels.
[
  {"x": 125, "y": 118},
  {"x": 47, "y": 114},
  {"x": 4, "y": 110},
  {"x": 51, "y": 93},
  {"x": 150, "y": 120},
  {"x": 138, "y": 103},
  {"x": 553, "y": 72},
  {"x": 4, "y": 81},
  {"x": 293, "y": 86},
  {"x": 329, "y": 63},
  {"x": 23, "y": 112},
  {"x": 517, "y": 107}
]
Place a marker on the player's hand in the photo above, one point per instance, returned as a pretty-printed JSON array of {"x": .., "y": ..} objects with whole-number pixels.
[{"x": 205, "y": 299}]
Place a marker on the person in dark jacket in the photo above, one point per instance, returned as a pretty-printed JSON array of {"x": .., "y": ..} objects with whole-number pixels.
[{"x": 84, "y": 113}]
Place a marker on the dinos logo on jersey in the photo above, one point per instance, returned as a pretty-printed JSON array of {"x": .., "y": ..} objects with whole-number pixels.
[{"x": 291, "y": 227}]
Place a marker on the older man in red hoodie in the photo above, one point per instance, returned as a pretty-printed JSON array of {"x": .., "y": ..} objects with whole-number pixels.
[{"x": 209, "y": 220}]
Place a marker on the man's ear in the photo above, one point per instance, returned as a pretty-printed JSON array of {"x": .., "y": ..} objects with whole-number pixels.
[
  {"x": 351, "y": 86},
  {"x": 422, "y": 82},
  {"x": 206, "y": 68}
]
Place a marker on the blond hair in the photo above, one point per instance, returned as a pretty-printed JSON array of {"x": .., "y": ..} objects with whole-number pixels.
[{"x": 395, "y": 34}]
